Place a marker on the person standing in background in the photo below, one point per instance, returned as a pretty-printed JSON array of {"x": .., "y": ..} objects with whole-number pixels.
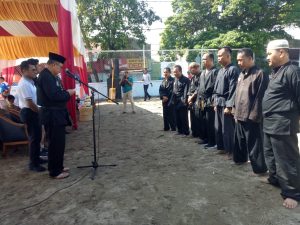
[
  {"x": 205, "y": 99},
  {"x": 146, "y": 81},
  {"x": 224, "y": 93},
  {"x": 194, "y": 68},
  {"x": 180, "y": 98},
  {"x": 44, "y": 150},
  {"x": 30, "y": 113},
  {"x": 165, "y": 93},
  {"x": 127, "y": 83}
]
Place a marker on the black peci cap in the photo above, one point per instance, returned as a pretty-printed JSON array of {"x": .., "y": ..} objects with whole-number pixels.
[{"x": 56, "y": 57}]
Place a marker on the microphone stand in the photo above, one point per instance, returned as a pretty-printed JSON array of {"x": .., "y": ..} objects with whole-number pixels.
[{"x": 94, "y": 164}]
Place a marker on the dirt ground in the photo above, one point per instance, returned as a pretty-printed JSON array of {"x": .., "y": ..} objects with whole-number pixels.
[{"x": 159, "y": 179}]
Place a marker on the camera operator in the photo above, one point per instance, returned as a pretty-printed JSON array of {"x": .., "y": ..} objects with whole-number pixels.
[{"x": 127, "y": 83}]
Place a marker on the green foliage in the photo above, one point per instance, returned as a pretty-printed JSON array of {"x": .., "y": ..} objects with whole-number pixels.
[
  {"x": 112, "y": 24},
  {"x": 236, "y": 23},
  {"x": 192, "y": 55},
  {"x": 169, "y": 56}
]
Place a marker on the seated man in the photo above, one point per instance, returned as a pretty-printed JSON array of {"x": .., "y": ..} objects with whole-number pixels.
[{"x": 10, "y": 103}]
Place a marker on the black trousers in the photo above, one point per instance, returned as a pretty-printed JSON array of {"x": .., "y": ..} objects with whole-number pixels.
[
  {"x": 195, "y": 122},
  {"x": 219, "y": 121},
  {"x": 56, "y": 148},
  {"x": 248, "y": 141},
  {"x": 201, "y": 125},
  {"x": 182, "y": 120},
  {"x": 34, "y": 129},
  {"x": 224, "y": 125},
  {"x": 169, "y": 116},
  {"x": 283, "y": 161},
  {"x": 208, "y": 125},
  {"x": 146, "y": 94}
]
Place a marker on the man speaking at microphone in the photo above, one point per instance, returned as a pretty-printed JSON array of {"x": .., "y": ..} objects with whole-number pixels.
[{"x": 54, "y": 115}]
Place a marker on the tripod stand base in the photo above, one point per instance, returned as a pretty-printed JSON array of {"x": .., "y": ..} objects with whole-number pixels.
[{"x": 95, "y": 165}]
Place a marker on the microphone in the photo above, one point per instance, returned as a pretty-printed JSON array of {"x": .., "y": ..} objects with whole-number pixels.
[{"x": 75, "y": 77}]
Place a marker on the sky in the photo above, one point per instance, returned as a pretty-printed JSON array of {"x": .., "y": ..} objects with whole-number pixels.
[{"x": 163, "y": 9}]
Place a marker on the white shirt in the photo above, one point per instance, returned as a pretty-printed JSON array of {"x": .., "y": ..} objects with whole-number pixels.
[
  {"x": 26, "y": 90},
  {"x": 146, "y": 79}
]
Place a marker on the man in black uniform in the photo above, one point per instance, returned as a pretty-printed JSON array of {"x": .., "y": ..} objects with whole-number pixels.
[
  {"x": 180, "y": 98},
  {"x": 194, "y": 68},
  {"x": 205, "y": 100},
  {"x": 53, "y": 98},
  {"x": 281, "y": 105},
  {"x": 165, "y": 92},
  {"x": 250, "y": 90},
  {"x": 224, "y": 91}
]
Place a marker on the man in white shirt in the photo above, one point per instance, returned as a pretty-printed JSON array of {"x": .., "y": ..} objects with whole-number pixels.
[
  {"x": 146, "y": 81},
  {"x": 26, "y": 92}
]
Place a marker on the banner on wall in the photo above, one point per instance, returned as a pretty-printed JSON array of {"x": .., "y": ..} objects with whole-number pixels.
[{"x": 136, "y": 64}]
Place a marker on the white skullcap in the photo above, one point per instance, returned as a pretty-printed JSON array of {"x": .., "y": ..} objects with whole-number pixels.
[{"x": 278, "y": 44}]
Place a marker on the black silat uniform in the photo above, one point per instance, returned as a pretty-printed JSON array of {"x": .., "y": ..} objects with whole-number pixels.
[
  {"x": 166, "y": 89},
  {"x": 224, "y": 91},
  {"x": 248, "y": 137},
  {"x": 205, "y": 104},
  {"x": 194, "y": 110},
  {"x": 281, "y": 105},
  {"x": 54, "y": 115},
  {"x": 180, "y": 98}
]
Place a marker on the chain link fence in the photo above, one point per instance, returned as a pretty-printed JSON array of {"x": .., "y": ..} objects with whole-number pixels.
[
  {"x": 100, "y": 64},
  {"x": 107, "y": 67}
]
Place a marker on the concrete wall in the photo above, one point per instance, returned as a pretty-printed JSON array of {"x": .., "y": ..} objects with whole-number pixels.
[{"x": 138, "y": 88}]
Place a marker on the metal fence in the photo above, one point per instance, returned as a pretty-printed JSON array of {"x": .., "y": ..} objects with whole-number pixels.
[{"x": 101, "y": 64}]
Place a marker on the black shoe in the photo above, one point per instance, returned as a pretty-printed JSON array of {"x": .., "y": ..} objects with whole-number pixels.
[
  {"x": 44, "y": 152},
  {"x": 208, "y": 146},
  {"x": 149, "y": 97},
  {"x": 202, "y": 142},
  {"x": 174, "y": 129},
  {"x": 43, "y": 160},
  {"x": 37, "y": 168}
]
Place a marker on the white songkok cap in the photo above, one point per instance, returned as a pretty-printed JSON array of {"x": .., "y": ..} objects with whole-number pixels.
[{"x": 278, "y": 44}]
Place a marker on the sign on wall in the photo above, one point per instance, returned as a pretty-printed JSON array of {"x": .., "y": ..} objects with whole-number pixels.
[{"x": 136, "y": 64}]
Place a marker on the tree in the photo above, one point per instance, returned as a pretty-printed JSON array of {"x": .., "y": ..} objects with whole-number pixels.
[
  {"x": 111, "y": 24},
  {"x": 236, "y": 23}
]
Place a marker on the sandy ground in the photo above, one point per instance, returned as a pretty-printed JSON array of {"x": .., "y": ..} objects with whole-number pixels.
[{"x": 159, "y": 179}]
